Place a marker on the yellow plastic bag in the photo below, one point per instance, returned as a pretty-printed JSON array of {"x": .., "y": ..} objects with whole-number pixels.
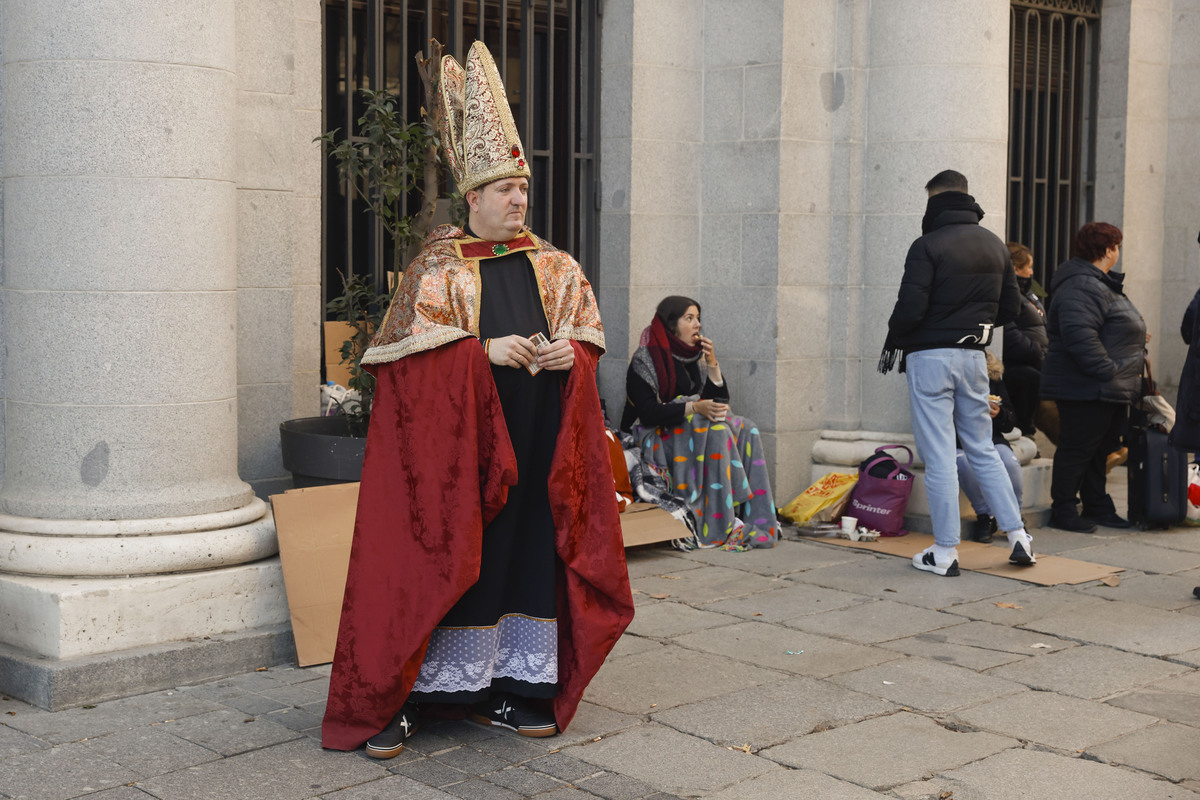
[{"x": 823, "y": 501}]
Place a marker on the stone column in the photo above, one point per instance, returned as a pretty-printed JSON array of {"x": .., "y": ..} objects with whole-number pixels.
[
  {"x": 931, "y": 87},
  {"x": 937, "y": 98},
  {"x": 650, "y": 170},
  {"x": 1181, "y": 212},
  {"x": 746, "y": 171},
  {"x": 121, "y": 326},
  {"x": 278, "y": 228},
  {"x": 1131, "y": 152},
  {"x": 819, "y": 287}
]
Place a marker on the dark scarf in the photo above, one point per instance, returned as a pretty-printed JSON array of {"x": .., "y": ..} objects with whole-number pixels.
[
  {"x": 664, "y": 347},
  {"x": 947, "y": 201},
  {"x": 1115, "y": 280}
]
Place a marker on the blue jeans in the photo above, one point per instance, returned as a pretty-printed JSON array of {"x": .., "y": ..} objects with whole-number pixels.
[
  {"x": 947, "y": 391},
  {"x": 971, "y": 488}
]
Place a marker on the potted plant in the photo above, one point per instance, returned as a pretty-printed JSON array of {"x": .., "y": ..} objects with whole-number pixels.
[
  {"x": 330, "y": 448},
  {"x": 388, "y": 160}
]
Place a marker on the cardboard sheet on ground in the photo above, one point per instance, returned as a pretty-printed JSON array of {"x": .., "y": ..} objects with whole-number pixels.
[
  {"x": 646, "y": 523},
  {"x": 991, "y": 559},
  {"x": 315, "y": 527}
]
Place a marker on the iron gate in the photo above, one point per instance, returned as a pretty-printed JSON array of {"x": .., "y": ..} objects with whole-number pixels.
[
  {"x": 549, "y": 59},
  {"x": 1052, "y": 136}
]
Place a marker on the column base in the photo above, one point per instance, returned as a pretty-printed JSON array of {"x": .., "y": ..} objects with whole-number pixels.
[
  {"x": 54, "y": 685},
  {"x": 67, "y": 618},
  {"x": 101, "y": 548}
]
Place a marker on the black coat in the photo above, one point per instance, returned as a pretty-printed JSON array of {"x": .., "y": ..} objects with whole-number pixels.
[
  {"x": 642, "y": 403},
  {"x": 1026, "y": 340},
  {"x": 1189, "y": 319},
  {"x": 958, "y": 282},
  {"x": 1097, "y": 337},
  {"x": 1186, "y": 432}
]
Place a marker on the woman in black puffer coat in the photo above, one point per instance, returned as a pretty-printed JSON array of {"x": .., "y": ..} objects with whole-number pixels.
[{"x": 1093, "y": 372}]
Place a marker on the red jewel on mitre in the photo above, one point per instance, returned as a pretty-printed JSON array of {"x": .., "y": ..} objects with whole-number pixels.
[
  {"x": 516, "y": 151},
  {"x": 520, "y": 162}
]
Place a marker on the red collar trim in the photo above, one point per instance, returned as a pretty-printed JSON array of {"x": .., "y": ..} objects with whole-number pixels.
[{"x": 478, "y": 249}]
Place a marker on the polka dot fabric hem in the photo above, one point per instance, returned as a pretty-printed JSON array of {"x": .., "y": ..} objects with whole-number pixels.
[{"x": 720, "y": 470}]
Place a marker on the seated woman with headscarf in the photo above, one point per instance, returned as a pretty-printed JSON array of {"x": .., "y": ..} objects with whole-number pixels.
[{"x": 677, "y": 408}]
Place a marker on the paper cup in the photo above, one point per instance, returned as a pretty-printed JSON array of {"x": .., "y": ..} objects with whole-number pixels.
[{"x": 849, "y": 524}]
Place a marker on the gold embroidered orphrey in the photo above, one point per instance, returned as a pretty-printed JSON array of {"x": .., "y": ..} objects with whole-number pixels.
[
  {"x": 479, "y": 136},
  {"x": 438, "y": 299}
]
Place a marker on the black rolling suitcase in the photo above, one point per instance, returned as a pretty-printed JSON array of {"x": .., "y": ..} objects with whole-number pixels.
[{"x": 1158, "y": 475}]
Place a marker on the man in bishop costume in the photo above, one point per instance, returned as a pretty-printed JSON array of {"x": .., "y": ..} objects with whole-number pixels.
[{"x": 487, "y": 570}]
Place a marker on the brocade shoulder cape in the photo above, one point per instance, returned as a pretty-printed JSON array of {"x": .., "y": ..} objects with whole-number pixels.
[
  {"x": 437, "y": 470},
  {"x": 438, "y": 298}
]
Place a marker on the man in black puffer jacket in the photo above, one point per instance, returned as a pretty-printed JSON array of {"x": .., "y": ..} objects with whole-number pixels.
[{"x": 958, "y": 286}]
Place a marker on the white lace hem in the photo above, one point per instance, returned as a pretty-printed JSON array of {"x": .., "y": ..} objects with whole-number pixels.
[{"x": 468, "y": 659}]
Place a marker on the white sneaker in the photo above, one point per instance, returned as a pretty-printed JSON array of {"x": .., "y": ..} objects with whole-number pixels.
[
  {"x": 926, "y": 561},
  {"x": 1022, "y": 550}
]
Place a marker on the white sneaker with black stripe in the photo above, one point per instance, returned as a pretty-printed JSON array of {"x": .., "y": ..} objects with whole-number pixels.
[
  {"x": 926, "y": 561},
  {"x": 1022, "y": 549}
]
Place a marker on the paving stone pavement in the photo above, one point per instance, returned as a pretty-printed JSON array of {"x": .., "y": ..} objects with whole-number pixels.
[{"x": 805, "y": 671}]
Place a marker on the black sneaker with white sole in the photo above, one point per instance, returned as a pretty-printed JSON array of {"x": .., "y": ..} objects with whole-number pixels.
[
  {"x": 390, "y": 741},
  {"x": 983, "y": 529},
  {"x": 509, "y": 711}
]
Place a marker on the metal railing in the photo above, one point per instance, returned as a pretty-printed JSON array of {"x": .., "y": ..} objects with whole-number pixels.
[
  {"x": 1052, "y": 137},
  {"x": 548, "y": 55}
]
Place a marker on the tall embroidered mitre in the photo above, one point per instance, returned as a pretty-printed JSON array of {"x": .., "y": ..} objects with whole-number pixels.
[{"x": 479, "y": 136}]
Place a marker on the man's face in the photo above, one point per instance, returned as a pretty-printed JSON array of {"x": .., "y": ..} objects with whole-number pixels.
[{"x": 498, "y": 209}]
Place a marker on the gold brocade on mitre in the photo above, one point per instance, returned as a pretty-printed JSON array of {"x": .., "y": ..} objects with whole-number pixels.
[{"x": 479, "y": 136}]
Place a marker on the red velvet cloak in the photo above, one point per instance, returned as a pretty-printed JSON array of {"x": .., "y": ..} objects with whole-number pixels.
[{"x": 437, "y": 470}]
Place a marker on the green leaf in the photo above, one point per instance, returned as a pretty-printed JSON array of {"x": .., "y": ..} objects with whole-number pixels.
[{"x": 382, "y": 161}]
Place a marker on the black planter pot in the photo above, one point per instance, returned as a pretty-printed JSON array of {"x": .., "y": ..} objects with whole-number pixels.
[{"x": 319, "y": 451}]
